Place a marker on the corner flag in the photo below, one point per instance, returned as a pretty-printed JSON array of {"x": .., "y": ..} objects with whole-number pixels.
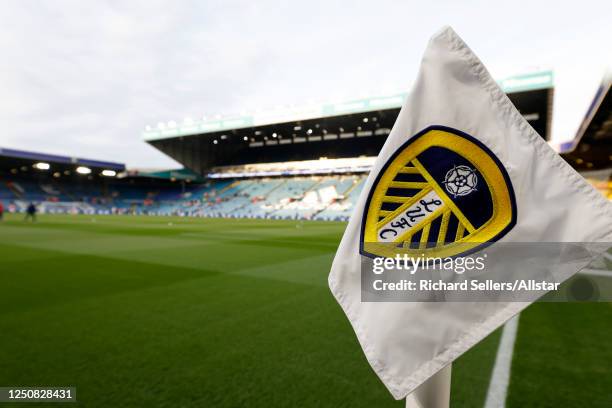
[{"x": 461, "y": 165}]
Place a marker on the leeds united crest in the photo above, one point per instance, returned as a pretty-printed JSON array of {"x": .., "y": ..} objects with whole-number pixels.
[{"x": 443, "y": 193}]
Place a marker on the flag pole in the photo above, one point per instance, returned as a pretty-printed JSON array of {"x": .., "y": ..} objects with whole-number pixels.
[{"x": 433, "y": 393}]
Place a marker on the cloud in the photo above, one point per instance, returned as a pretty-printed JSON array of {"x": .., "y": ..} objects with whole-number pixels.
[{"x": 84, "y": 78}]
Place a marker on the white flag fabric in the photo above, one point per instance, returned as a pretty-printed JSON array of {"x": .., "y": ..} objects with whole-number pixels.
[{"x": 534, "y": 196}]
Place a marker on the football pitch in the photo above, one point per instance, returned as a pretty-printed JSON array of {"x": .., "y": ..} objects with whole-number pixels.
[{"x": 178, "y": 312}]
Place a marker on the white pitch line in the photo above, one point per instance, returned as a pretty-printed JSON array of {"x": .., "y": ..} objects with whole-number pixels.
[{"x": 500, "y": 379}]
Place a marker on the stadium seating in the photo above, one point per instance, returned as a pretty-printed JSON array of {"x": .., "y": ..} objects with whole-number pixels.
[
  {"x": 314, "y": 197},
  {"x": 325, "y": 197}
]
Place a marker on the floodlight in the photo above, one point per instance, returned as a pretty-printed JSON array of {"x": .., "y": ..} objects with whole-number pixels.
[
  {"x": 109, "y": 173},
  {"x": 42, "y": 166},
  {"x": 83, "y": 170}
]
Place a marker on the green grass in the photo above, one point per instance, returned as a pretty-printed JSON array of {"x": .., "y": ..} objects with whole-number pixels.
[
  {"x": 563, "y": 356},
  {"x": 169, "y": 312}
]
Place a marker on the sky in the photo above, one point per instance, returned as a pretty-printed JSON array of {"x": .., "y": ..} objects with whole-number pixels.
[{"x": 84, "y": 78}]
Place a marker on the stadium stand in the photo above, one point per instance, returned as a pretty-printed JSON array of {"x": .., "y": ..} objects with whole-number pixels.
[
  {"x": 303, "y": 168},
  {"x": 59, "y": 188},
  {"x": 591, "y": 148},
  {"x": 314, "y": 197}
]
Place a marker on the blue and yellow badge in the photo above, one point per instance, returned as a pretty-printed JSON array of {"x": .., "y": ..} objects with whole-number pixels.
[{"x": 443, "y": 193}]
